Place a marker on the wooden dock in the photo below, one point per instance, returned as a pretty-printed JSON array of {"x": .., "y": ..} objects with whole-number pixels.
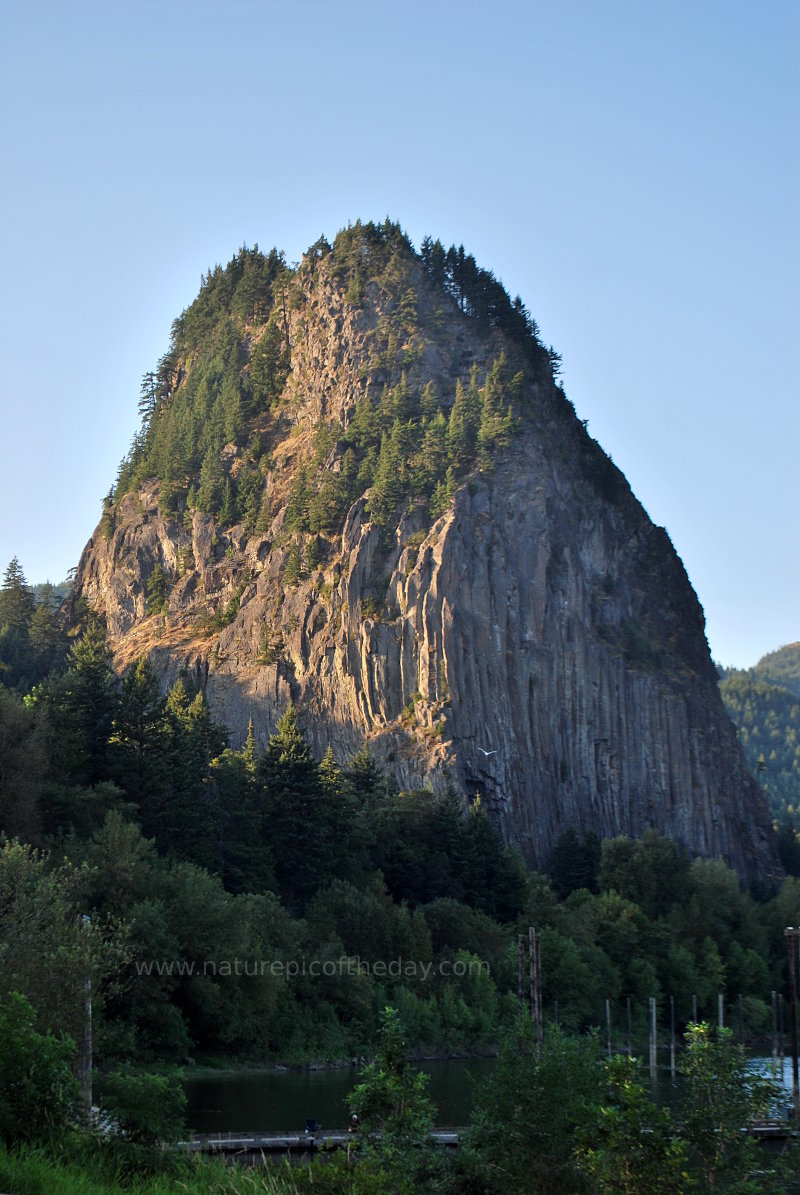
[
  {"x": 306, "y": 1143},
  {"x": 270, "y": 1143}
]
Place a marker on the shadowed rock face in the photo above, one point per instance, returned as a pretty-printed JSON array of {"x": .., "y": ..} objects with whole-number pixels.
[{"x": 543, "y": 619}]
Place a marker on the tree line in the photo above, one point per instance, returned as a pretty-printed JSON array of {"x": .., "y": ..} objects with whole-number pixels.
[{"x": 127, "y": 802}]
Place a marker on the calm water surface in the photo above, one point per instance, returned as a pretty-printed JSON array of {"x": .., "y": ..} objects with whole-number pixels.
[{"x": 232, "y": 1101}]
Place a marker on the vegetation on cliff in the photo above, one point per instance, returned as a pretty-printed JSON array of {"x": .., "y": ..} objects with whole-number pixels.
[{"x": 220, "y": 400}]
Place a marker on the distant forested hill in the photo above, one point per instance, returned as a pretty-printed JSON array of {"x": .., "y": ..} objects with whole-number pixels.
[
  {"x": 781, "y": 667},
  {"x": 764, "y": 702}
]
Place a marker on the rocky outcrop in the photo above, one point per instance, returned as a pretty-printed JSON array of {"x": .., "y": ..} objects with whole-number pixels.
[{"x": 539, "y": 644}]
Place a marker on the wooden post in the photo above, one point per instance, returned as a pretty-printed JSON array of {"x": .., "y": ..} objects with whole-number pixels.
[
  {"x": 555, "y": 1012},
  {"x": 608, "y": 1027},
  {"x": 791, "y": 936},
  {"x": 774, "y": 1035},
  {"x": 653, "y": 1039},
  {"x": 780, "y": 1028},
  {"x": 720, "y": 1010},
  {"x": 672, "y": 1037},
  {"x": 741, "y": 1019},
  {"x": 694, "y": 1010},
  {"x": 630, "y": 1028},
  {"x": 521, "y": 972}
]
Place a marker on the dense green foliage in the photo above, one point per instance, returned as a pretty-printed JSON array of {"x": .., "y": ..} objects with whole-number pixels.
[
  {"x": 267, "y": 904},
  {"x": 764, "y": 703},
  {"x": 38, "y": 1093},
  {"x": 395, "y": 1113},
  {"x": 147, "y": 1109},
  {"x": 780, "y": 667},
  {"x": 32, "y": 639},
  {"x": 550, "y": 1120},
  {"x": 768, "y": 718},
  {"x": 196, "y": 859}
]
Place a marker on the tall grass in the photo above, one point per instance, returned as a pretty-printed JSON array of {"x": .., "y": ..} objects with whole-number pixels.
[{"x": 29, "y": 1170}]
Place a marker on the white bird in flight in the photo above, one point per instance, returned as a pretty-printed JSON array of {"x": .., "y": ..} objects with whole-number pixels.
[{"x": 487, "y": 752}]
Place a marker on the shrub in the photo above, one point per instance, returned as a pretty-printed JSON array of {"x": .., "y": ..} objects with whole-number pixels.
[{"x": 38, "y": 1093}]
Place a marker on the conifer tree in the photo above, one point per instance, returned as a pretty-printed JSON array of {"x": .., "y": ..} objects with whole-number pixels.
[
  {"x": 296, "y": 814},
  {"x": 137, "y": 739},
  {"x": 92, "y": 693},
  {"x": 187, "y": 819},
  {"x": 246, "y": 857},
  {"x": 156, "y": 591},
  {"x": 293, "y": 569},
  {"x": 17, "y": 602}
]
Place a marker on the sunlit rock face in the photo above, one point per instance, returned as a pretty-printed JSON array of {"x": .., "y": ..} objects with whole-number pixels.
[{"x": 537, "y": 643}]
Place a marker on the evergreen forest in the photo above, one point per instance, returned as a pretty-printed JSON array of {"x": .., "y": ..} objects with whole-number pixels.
[
  {"x": 219, "y": 882},
  {"x": 128, "y": 803},
  {"x": 764, "y": 703}
]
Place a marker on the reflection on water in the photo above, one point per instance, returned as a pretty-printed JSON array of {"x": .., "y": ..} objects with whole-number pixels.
[
  {"x": 281, "y": 1100},
  {"x": 233, "y": 1101}
]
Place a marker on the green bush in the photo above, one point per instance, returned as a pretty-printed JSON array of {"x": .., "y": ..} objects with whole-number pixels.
[
  {"x": 147, "y": 1109},
  {"x": 38, "y": 1092}
]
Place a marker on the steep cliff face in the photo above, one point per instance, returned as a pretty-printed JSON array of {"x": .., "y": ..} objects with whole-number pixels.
[{"x": 536, "y": 641}]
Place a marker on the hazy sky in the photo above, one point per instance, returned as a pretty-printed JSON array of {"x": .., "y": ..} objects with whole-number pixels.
[{"x": 630, "y": 167}]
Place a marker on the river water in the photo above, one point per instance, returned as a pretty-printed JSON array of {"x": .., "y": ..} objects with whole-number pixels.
[
  {"x": 263, "y": 1100},
  {"x": 259, "y": 1100}
]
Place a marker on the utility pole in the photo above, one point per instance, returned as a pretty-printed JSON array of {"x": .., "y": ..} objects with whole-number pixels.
[{"x": 791, "y": 934}]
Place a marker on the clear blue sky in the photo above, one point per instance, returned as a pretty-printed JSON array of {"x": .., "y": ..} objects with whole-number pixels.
[{"x": 630, "y": 168}]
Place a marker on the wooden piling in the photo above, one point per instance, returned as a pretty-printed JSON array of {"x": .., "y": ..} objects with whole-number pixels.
[
  {"x": 720, "y": 1010},
  {"x": 672, "y": 1037},
  {"x": 791, "y": 933},
  {"x": 774, "y": 1035},
  {"x": 630, "y": 1028},
  {"x": 653, "y": 1039},
  {"x": 608, "y": 1028},
  {"x": 780, "y": 1028}
]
